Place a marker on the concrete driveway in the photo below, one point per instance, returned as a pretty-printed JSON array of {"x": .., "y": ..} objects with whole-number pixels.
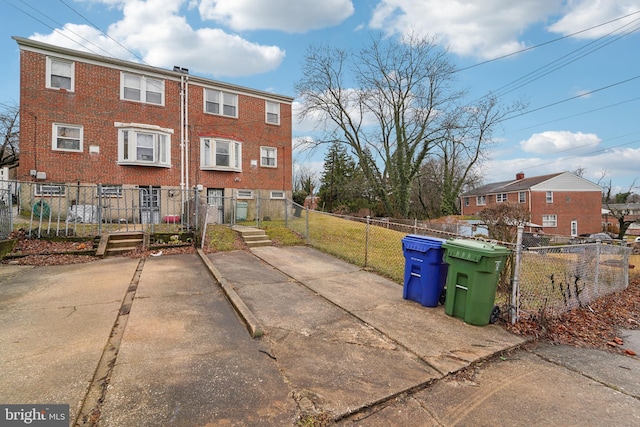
[{"x": 161, "y": 342}]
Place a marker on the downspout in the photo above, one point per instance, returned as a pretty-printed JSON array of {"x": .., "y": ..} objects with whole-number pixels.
[
  {"x": 185, "y": 129},
  {"x": 182, "y": 183}
]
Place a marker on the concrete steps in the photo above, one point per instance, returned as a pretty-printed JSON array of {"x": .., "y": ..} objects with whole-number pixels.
[
  {"x": 119, "y": 243},
  {"x": 253, "y": 237}
]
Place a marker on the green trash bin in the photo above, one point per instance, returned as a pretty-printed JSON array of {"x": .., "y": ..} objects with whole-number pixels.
[{"x": 474, "y": 268}]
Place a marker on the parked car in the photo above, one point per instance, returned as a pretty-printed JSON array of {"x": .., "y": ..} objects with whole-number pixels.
[{"x": 603, "y": 237}]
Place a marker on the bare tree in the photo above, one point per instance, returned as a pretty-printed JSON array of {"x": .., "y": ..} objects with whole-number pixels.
[
  {"x": 503, "y": 220},
  {"x": 401, "y": 107},
  {"x": 619, "y": 209},
  {"x": 10, "y": 133}
]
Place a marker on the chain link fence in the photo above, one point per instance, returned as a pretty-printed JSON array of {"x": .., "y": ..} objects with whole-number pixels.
[
  {"x": 536, "y": 282},
  {"x": 45, "y": 210},
  {"x": 556, "y": 279}
]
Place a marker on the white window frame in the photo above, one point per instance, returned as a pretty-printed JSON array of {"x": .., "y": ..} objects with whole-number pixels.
[
  {"x": 244, "y": 194},
  {"x": 224, "y": 101},
  {"x": 145, "y": 84},
  {"x": 481, "y": 200},
  {"x": 466, "y": 201},
  {"x": 522, "y": 197},
  {"x": 549, "y": 197},
  {"x": 550, "y": 220},
  {"x": 272, "y": 113},
  {"x": 50, "y": 190},
  {"x": 209, "y": 148},
  {"x": 158, "y": 140},
  {"x": 51, "y": 61},
  {"x": 265, "y": 157},
  {"x": 501, "y": 197},
  {"x": 56, "y": 138},
  {"x": 574, "y": 228},
  {"x": 277, "y": 195}
]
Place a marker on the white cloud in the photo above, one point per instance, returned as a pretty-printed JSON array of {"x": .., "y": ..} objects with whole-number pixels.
[
  {"x": 490, "y": 28},
  {"x": 484, "y": 29},
  {"x": 551, "y": 142},
  {"x": 582, "y": 14},
  {"x": 157, "y": 30},
  {"x": 297, "y": 16}
]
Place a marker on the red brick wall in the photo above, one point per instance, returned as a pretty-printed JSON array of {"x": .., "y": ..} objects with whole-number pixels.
[
  {"x": 95, "y": 104},
  {"x": 584, "y": 207}
]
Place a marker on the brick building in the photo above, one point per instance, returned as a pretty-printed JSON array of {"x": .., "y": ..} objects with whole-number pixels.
[
  {"x": 560, "y": 203},
  {"x": 90, "y": 119}
]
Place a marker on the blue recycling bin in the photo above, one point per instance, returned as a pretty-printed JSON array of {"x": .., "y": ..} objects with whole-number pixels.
[{"x": 425, "y": 272}]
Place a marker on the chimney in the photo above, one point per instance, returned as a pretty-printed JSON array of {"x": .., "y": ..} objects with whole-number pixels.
[{"x": 520, "y": 175}]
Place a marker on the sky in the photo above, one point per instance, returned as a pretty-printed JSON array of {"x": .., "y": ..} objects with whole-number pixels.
[{"x": 576, "y": 63}]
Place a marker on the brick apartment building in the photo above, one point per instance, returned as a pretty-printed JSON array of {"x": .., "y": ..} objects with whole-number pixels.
[
  {"x": 560, "y": 203},
  {"x": 90, "y": 119}
]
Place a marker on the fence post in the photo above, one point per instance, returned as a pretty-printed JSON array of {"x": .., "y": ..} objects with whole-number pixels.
[
  {"x": 286, "y": 213},
  {"x": 99, "y": 213},
  {"x": 366, "y": 242},
  {"x": 415, "y": 225},
  {"x": 308, "y": 237},
  {"x": 515, "y": 284},
  {"x": 596, "y": 286}
]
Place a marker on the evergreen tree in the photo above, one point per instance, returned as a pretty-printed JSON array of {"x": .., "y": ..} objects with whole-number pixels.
[{"x": 342, "y": 182}]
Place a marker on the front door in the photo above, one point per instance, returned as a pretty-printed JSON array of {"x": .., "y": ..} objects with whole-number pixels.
[
  {"x": 215, "y": 200},
  {"x": 150, "y": 205}
]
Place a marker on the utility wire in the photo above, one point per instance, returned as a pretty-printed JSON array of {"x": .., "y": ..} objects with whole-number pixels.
[
  {"x": 571, "y": 98},
  {"x": 58, "y": 31},
  {"x": 586, "y": 154},
  {"x": 545, "y": 43},
  {"x": 579, "y": 114},
  {"x": 99, "y": 29},
  {"x": 593, "y": 46}
]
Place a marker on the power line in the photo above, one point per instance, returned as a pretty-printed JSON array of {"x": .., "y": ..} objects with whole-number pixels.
[
  {"x": 56, "y": 30},
  {"x": 579, "y": 114},
  {"x": 546, "y": 43},
  {"x": 572, "y": 98},
  {"x": 586, "y": 154},
  {"x": 107, "y": 35},
  {"x": 593, "y": 46}
]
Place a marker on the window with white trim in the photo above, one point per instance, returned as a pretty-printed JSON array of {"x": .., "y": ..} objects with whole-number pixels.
[
  {"x": 60, "y": 74},
  {"x": 481, "y": 200},
  {"x": 466, "y": 201},
  {"x": 501, "y": 197},
  {"x": 134, "y": 87},
  {"x": 268, "y": 157},
  {"x": 522, "y": 197},
  {"x": 574, "y": 228},
  {"x": 67, "y": 137},
  {"x": 220, "y": 103},
  {"x": 277, "y": 195},
  {"x": 549, "y": 197},
  {"x": 549, "y": 220},
  {"x": 50, "y": 190},
  {"x": 220, "y": 154},
  {"x": 272, "y": 112},
  {"x": 245, "y": 194},
  {"x": 144, "y": 145}
]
